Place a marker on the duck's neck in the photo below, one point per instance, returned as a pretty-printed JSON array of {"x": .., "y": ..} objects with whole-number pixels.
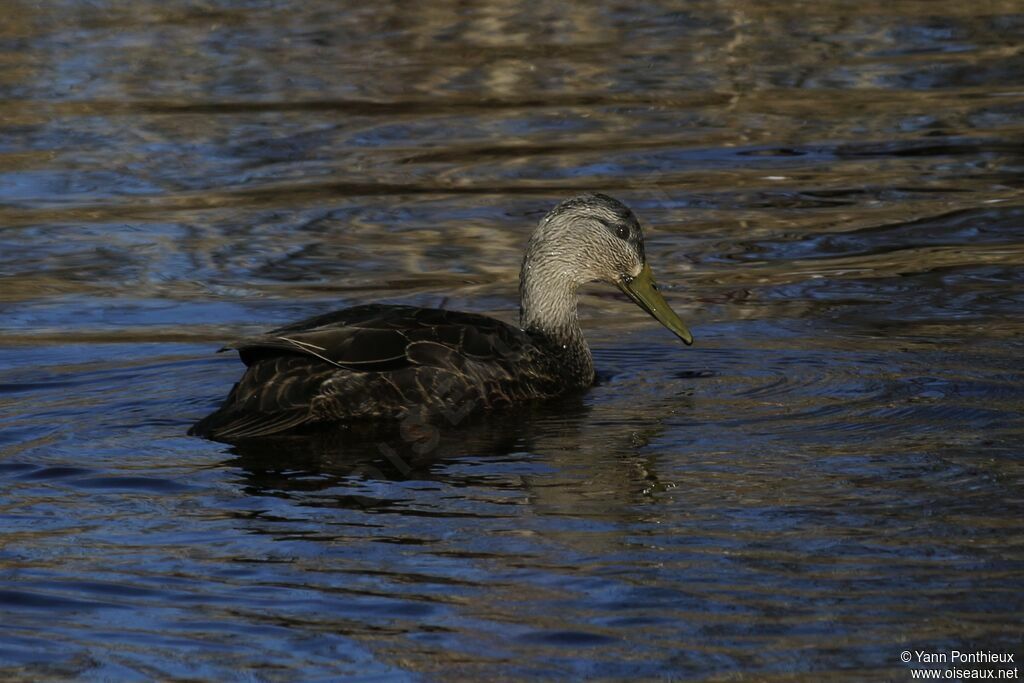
[{"x": 548, "y": 309}]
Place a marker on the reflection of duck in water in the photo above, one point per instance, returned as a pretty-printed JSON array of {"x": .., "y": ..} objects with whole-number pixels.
[
  {"x": 380, "y": 362},
  {"x": 412, "y": 449}
]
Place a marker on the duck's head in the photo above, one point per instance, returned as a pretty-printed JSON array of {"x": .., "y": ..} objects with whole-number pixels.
[{"x": 594, "y": 237}]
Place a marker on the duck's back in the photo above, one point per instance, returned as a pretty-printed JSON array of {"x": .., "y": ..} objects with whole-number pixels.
[{"x": 380, "y": 362}]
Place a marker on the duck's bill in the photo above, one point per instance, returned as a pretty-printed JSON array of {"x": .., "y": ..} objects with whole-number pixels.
[{"x": 644, "y": 292}]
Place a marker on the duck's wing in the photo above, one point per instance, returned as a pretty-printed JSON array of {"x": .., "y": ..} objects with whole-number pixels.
[
  {"x": 378, "y": 337},
  {"x": 367, "y": 361}
]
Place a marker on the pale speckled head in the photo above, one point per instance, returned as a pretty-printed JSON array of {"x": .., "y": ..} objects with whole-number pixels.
[{"x": 588, "y": 238}]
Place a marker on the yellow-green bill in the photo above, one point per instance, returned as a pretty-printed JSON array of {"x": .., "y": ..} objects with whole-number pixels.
[{"x": 644, "y": 292}]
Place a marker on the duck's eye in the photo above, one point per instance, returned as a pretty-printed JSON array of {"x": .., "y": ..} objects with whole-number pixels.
[{"x": 623, "y": 232}]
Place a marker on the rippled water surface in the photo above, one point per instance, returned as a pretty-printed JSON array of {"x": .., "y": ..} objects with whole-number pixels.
[{"x": 832, "y": 474}]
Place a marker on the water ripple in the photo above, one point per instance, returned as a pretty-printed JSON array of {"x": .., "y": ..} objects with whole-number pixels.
[{"x": 832, "y": 201}]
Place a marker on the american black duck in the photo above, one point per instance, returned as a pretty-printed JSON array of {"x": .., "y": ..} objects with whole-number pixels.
[{"x": 380, "y": 362}]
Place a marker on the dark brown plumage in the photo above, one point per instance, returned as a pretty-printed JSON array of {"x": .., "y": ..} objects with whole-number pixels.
[
  {"x": 382, "y": 363},
  {"x": 378, "y": 362}
]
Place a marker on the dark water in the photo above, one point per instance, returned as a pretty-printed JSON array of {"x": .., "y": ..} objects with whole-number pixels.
[{"x": 831, "y": 475}]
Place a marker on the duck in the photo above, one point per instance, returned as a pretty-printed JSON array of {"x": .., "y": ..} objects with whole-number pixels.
[{"x": 385, "y": 363}]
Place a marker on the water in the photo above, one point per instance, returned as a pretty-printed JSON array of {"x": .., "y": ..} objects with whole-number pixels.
[{"x": 830, "y": 476}]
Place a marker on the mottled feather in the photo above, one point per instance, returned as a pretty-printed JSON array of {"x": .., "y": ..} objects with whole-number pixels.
[{"x": 378, "y": 362}]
